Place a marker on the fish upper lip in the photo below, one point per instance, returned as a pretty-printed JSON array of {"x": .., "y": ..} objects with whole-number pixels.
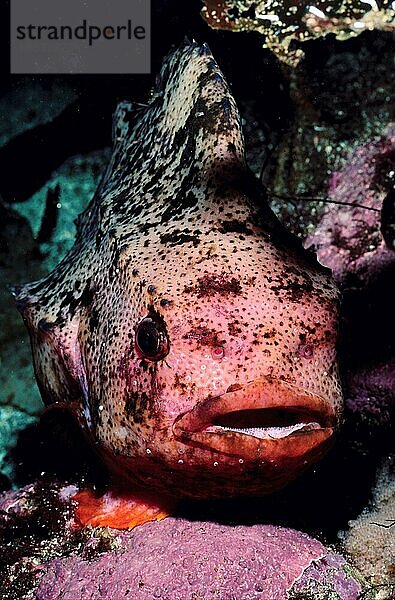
[{"x": 213, "y": 422}]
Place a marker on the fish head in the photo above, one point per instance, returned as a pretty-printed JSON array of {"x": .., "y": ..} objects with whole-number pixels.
[
  {"x": 228, "y": 366},
  {"x": 200, "y": 346}
]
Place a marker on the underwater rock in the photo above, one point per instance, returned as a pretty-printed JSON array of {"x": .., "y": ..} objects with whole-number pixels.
[
  {"x": 77, "y": 178},
  {"x": 36, "y": 526},
  {"x": 19, "y": 255},
  {"x": 350, "y": 242},
  {"x": 324, "y": 126},
  {"x": 370, "y": 541},
  {"x": 80, "y": 116},
  {"x": 177, "y": 559},
  {"x": 33, "y": 527},
  {"x": 12, "y": 421},
  {"x": 371, "y": 393},
  {"x": 32, "y": 102},
  {"x": 329, "y": 578},
  {"x": 349, "y": 239},
  {"x": 44, "y": 555},
  {"x": 283, "y": 22}
]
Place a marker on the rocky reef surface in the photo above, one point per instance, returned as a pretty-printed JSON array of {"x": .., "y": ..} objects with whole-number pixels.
[
  {"x": 46, "y": 555},
  {"x": 176, "y": 558},
  {"x": 282, "y": 23}
]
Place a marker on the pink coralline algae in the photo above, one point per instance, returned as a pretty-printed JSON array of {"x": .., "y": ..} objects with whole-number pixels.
[
  {"x": 177, "y": 559},
  {"x": 371, "y": 391},
  {"x": 349, "y": 240},
  {"x": 355, "y": 239}
]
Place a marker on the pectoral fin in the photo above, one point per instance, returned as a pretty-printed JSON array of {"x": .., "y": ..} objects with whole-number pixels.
[{"x": 116, "y": 510}]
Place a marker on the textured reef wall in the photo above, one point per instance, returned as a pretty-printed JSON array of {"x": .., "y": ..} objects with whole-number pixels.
[{"x": 283, "y": 23}]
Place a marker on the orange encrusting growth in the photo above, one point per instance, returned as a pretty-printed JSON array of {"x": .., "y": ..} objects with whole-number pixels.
[{"x": 116, "y": 511}]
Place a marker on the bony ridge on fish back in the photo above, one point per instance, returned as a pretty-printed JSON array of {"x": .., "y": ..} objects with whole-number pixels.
[{"x": 190, "y": 333}]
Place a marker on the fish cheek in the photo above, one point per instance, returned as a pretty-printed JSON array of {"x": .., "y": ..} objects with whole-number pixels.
[
  {"x": 136, "y": 403},
  {"x": 141, "y": 392},
  {"x": 57, "y": 360}
]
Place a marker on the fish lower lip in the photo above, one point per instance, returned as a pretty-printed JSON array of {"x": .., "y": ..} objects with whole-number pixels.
[{"x": 268, "y": 416}]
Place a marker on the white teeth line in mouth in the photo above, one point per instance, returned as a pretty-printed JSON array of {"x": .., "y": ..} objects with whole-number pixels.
[{"x": 269, "y": 432}]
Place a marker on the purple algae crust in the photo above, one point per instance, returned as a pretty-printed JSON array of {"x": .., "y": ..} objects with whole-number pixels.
[
  {"x": 178, "y": 559},
  {"x": 44, "y": 556},
  {"x": 329, "y": 578}
]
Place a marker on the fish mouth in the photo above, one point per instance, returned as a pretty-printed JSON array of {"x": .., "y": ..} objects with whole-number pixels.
[{"x": 267, "y": 419}]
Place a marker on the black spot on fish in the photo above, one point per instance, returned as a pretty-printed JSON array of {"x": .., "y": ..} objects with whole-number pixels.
[
  {"x": 180, "y": 237},
  {"x": 234, "y": 226}
]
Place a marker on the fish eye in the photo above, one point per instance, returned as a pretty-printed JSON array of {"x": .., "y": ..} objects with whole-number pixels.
[{"x": 151, "y": 339}]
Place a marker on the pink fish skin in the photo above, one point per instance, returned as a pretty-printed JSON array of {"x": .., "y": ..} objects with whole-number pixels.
[{"x": 188, "y": 331}]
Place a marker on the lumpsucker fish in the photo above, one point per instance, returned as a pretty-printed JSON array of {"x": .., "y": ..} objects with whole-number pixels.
[{"x": 190, "y": 334}]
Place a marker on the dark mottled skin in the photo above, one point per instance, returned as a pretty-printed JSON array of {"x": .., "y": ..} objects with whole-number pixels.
[{"x": 179, "y": 232}]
